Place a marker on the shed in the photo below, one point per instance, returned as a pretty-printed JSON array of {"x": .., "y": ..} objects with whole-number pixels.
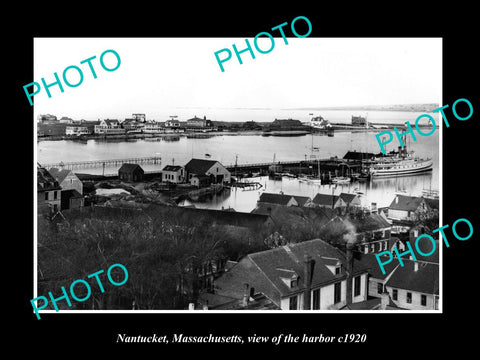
[{"x": 130, "y": 172}]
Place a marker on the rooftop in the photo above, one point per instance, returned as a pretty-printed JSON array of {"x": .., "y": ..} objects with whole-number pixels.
[
  {"x": 59, "y": 174},
  {"x": 425, "y": 279},
  {"x": 264, "y": 270},
  {"x": 272, "y": 198},
  {"x": 325, "y": 199},
  {"x": 199, "y": 166},
  {"x": 406, "y": 203},
  {"x": 172, "y": 168},
  {"x": 129, "y": 167}
]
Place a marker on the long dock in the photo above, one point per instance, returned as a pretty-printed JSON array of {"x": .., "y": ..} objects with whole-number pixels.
[
  {"x": 308, "y": 165},
  {"x": 109, "y": 162}
]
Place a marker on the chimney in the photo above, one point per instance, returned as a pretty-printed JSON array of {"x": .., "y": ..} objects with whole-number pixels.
[
  {"x": 385, "y": 300},
  {"x": 349, "y": 246},
  {"x": 309, "y": 263},
  {"x": 396, "y": 199},
  {"x": 246, "y": 294}
]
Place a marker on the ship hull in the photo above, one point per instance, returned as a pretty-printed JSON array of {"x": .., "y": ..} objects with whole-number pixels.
[{"x": 402, "y": 171}]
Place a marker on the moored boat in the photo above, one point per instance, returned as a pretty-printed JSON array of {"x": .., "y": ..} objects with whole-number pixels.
[{"x": 340, "y": 180}]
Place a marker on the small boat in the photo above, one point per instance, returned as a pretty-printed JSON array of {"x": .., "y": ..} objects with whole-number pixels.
[
  {"x": 341, "y": 180},
  {"x": 208, "y": 155}
]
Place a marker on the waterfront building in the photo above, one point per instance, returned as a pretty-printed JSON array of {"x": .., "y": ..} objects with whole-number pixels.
[
  {"x": 352, "y": 201},
  {"x": 214, "y": 170},
  {"x": 153, "y": 127},
  {"x": 130, "y": 172},
  {"x": 195, "y": 123},
  {"x": 132, "y": 125},
  {"x": 329, "y": 201},
  {"x": 277, "y": 199},
  {"x": 311, "y": 275},
  {"x": 172, "y": 123},
  {"x": 67, "y": 179},
  {"x": 77, "y": 130},
  {"x": 48, "y": 192},
  {"x": 174, "y": 174},
  {"x": 409, "y": 208},
  {"x": 109, "y": 127}
]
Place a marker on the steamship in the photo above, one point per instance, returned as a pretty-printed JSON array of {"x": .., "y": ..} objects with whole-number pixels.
[{"x": 403, "y": 163}]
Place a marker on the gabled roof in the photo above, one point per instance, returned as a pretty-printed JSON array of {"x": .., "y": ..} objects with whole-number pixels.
[
  {"x": 424, "y": 280},
  {"x": 263, "y": 270},
  {"x": 111, "y": 121},
  {"x": 172, "y": 168},
  {"x": 59, "y": 174},
  {"x": 199, "y": 166},
  {"x": 129, "y": 168},
  {"x": 367, "y": 222},
  {"x": 271, "y": 198},
  {"x": 45, "y": 180},
  {"x": 406, "y": 203},
  {"x": 325, "y": 199},
  {"x": 348, "y": 198},
  {"x": 370, "y": 261},
  {"x": 301, "y": 200}
]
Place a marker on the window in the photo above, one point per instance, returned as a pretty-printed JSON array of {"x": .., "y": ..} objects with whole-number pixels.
[
  {"x": 46, "y": 195},
  {"x": 356, "y": 287},
  {"x": 337, "y": 270},
  {"x": 293, "y": 303},
  {"x": 337, "y": 295},
  {"x": 55, "y": 194},
  {"x": 424, "y": 300},
  {"x": 293, "y": 282},
  {"x": 379, "y": 288},
  {"x": 316, "y": 299},
  {"x": 394, "y": 294},
  {"x": 409, "y": 297}
]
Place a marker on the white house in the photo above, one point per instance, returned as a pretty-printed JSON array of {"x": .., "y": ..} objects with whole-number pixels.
[
  {"x": 109, "y": 126},
  {"x": 207, "y": 168},
  {"x": 310, "y": 275},
  {"x": 77, "y": 130},
  {"x": 414, "y": 286},
  {"x": 174, "y": 174},
  {"x": 153, "y": 127}
]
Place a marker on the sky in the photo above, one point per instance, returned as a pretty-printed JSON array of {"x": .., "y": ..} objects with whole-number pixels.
[{"x": 158, "y": 75}]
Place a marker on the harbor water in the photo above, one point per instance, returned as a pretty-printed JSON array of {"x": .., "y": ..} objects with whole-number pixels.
[{"x": 248, "y": 149}]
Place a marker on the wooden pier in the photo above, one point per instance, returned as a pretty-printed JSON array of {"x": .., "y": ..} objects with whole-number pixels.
[{"x": 74, "y": 165}]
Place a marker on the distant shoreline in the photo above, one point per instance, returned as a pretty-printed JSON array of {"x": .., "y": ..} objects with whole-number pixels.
[{"x": 400, "y": 107}]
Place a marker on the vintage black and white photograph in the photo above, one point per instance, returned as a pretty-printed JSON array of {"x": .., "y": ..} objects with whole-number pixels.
[{"x": 213, "y": 175}]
